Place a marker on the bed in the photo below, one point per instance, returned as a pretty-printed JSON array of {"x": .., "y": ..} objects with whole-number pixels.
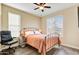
[{"x": 43, "y": 43}]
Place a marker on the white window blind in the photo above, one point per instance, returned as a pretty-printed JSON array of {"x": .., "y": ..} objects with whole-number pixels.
[
  {"x": 55, "y": 24},
  {"x": 50, "y": 25},
  {"x": 59, "y": 24},
  {"x": 14, "y": 24}
]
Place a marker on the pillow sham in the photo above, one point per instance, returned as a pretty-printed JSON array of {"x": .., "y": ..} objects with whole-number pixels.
[
  {"x": 37, "y": 32},
  {"x": 28, "y": 33}
]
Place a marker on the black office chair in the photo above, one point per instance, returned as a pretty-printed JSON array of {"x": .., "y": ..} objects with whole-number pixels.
[{"x": 6, "y": 39}]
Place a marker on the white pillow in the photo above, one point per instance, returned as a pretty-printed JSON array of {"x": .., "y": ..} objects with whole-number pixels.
[
  {"x": 28, "y": 33},
  {"x": 37, "y": 32}
]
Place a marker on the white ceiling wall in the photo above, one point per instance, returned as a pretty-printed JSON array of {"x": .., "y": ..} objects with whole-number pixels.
[{"x": 29, "y": 7}]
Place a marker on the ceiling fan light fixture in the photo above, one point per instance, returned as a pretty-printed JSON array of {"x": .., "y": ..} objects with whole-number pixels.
[{"x": 41, "y": 7}]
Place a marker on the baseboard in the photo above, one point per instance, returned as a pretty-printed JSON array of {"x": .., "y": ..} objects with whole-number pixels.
[{"x": 74, "y": 47}]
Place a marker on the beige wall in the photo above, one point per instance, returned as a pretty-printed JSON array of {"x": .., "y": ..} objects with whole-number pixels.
[
  {"x": 71, "y": 30},
  {"x": 27, "y": 20},
  {"x": 70, "y": 25},
  {"x": 43, "y": 25},
  {"x": 0, "y": 16},
  {"x": 0, "y": 23}
]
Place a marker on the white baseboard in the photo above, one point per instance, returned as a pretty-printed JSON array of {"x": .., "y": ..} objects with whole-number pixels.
[{"x": 70, "y": 46}]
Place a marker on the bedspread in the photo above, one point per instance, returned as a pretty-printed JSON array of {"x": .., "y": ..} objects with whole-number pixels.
[{"x": 40, "y": 42}]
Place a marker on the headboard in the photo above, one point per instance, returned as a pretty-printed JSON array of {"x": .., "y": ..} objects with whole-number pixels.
[
  {"x": 31, "y": 29},
  {"x": 24, "y": 30}
]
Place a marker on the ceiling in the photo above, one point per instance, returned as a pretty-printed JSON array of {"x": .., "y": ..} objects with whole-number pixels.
[{"x": 29, "y": 7}]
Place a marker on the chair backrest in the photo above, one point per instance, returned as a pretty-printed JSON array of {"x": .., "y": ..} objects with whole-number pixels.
[{"x": 5, "y": 36}]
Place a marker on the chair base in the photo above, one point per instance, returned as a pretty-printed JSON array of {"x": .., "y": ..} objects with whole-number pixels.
[{"x": 9, "y": 51}]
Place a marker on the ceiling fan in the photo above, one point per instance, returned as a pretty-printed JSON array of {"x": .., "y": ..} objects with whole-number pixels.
[{"x": 41, "y": 6}]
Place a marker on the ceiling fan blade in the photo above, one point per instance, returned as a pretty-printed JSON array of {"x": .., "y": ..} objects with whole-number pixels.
[
  {"x": 42, "y": 10},
  {"x": 36, "y": 4},
  {"x": 41, "y": 4},
  {"x": 36, "y": 8},
  {"x": 47, "y": 7},
  {"x": 44, "y": 3}
]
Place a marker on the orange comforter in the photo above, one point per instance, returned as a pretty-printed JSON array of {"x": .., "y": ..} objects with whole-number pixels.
[{"x": 41, "y": 43}]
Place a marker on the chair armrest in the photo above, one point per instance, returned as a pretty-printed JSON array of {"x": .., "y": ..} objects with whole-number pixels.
[
  {"x": 11, "y": 42},
  {"x": 13, "y": 37},
  {"x": 0, "y": 39}
]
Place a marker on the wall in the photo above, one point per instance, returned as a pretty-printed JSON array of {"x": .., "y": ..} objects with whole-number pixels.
[
  {"x": 71, "y": 30},
  {"x": 43, "y": 25},
  {"x": 0, "y": 17},
  {"x": 27, "y": 20},
  {"x": 70, "y": 25},
  {"x": 0, "y": 24}
]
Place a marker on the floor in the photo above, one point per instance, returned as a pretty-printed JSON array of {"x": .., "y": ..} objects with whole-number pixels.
[{"x": 55, "y": 51}]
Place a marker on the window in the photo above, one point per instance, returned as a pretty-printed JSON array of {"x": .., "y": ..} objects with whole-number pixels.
[
  {"x": 58, "y": 21},
  {"x": 14, "y": 24},
  {"x": 50, "y": 25},
  {"x": 55, "y": 24}
]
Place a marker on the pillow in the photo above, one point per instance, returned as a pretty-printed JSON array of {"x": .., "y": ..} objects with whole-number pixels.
[
  {"x": 37, "y": 32},
  {"x": 28, "y": 33}
]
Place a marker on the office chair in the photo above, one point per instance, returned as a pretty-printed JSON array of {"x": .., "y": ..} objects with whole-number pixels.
[{"x": 6, "y": 39}]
